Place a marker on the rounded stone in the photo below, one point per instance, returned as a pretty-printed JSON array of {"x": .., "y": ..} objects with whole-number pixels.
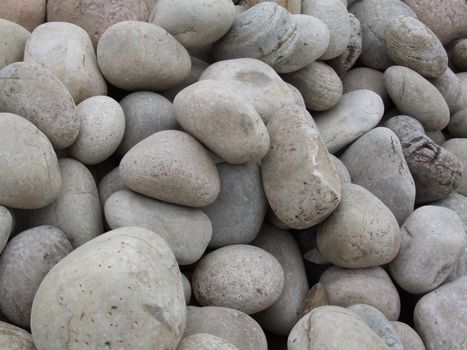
[
  {"x": 6, "y": 226},
  {"x": 293, "y": 6},
  {"x": 371, "y": 286},
  {"x": 437, "y": 137},
  {"x": 29, "y": 173},
  {"x": 341, "y": 169},
  {"x": 14, "y": 38},
  {"x": 433, "y": 238},
  {"x": 194, "y": 23},
  {"x": 258, "y": 276},
  {"x": 26, "y": 260},
  {"x": 376, "y": 162},
  {"x": 409, "y": 338},
  {"x": 458, "y": 147},
  {"x": 109, "y": 184},
  {"x": 66, "y": 50},
  {"x": 33, "y": 92},
  {"x": 28, "y": 14},
  {"x": 142, "y": 56},
  {"x": 356, "y": 113},
  {"x": 452, "y": 90},
  {"x": 238, "y": 212},
  {"x": 366, "y": 78},
  {"x": 15, "y": 338},
  {"x": 299, "y": 178},
  {"x": 297, "y": 95},
  {"x": 102, "y": 127},
  {"x": 173, "y": 167},
  {"x": 233, "y": 326},
  {"x": 186, "y": 289},
  {"x": 459, "y": 54},
  {"x": 187, "y": 231},
  {"x": 204, "y": 342},
  {"x": 145, "y": 114},
  {"x": 222, "y": 121},
  {"x": 415, "y": 96},
  {"x": 458, "y": 124},
  {"x": 361, "y": 232}
]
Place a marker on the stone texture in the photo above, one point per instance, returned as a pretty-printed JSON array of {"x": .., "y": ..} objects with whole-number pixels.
[
  {"x": 15, "y": 338},
  {"x": 366, "y": 78},
  {"x": 409, "y": 338},
  {"x": 458, "y": 147},
  {"x": 28, "y": 14},
  {"x": 14, "y": 38},
  {"x": 204, "y": 342},
  {"x": 6, "y": 226}
]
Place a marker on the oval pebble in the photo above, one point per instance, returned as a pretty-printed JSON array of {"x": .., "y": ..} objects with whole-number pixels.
[
  {"x": 14, "y": 38},
  {"x": 15, "y": 338}
]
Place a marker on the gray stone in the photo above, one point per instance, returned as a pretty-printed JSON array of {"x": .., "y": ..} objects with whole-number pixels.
[
  {"x": 458, "y": 147},
  {"x": 366, "y": 78},
  {"x": 15, "y": 338},
  {"x": 6, "y": 226},
  {"x": 409, "y": 338},
  {"x": 204, "y": 342},
  {"x": 342, "y": 171},
  {"x": 14, "y": 38},
  {"x": 110, "y": 183},
  {"x": 453, "y": 92}
]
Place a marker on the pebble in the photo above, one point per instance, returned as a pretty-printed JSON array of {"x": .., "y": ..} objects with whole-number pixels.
[
  {"x": 457, "y": 146},
  {"x": 459, "y": 54},
  {"x": 14, "y": 38},
  {"x": 186, "y": 289},
  {"x": 204, "y": 342},
  {"x": 109, "y": 184},
  {"x": 454, "y": 93},
  {"x": 15, "y": 338},
  {"x": 458, "y": 124},
  {"x": 341, "y": 169},
  {"x": 28, "y": 14},
  {"x": 6, "y": 226},
  {"x": 409, "y": 338},
  {"x": 366, "y": 78},
  {"x": 293, "y": 6}
]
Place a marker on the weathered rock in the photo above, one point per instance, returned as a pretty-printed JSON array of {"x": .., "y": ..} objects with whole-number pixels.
[
  {"x": 409, "y": 338},
  {"x": 28, "y": 14},
  {"x": 458, "y": 147},
  {"x": 14, "y": 38},
  {"x": 204, "y": 342},
  {"x": 15, "y": 338}
]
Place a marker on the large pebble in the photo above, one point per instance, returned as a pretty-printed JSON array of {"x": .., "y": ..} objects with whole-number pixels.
[
  {"x": 376, "y": 162},
  {"x": 435, "y": 170},
  {"x": 171, "y": 166},
  {"x": 97, "y": 15},
  {"x": 334, "y": 14},
  {"x": 257, "y": 274},
  {"x": 319, "y": 85},
  {"x": 374, "y": 17},
  {"x": 26, "y": 260},
  {"x": 222, "y": 121},
  {"x": 415, "y": 96},
  {"x": 6, "y": 226},
  {"x": 28, "y": 13},
  {"x": 29, "y": 173},
  {"x": 238, "y": 212},
  {"x": 233, "y": 326},
  {"x": 142, "y": 56},
  {"x": 356, "y": 113},
  {"x": 281, "y": 316},
  {"x": 102, "y": 127},
  {"x": 441, "y": 317},
  {"x": 361, "y": 232},
  {"x": 333, "y": 327},
  {"x": 452, "y": 90},
  {"x": 109, "y": 184},
  {"x": 366, "y": 78},
  {"x": 194, "y": 23},
  {"x": 14, "y": 38},
  {"x": 255, "y": 81},
  {"x": 187, "y": 231},
  {"x": 33, "y": 92},
  {"x": 409, "y": 338},
  {"x": 379, "y": 324},
  {"x": 299, "y": 178},
  {"x": 204, "y": 342},
  {"x": 433, "y": 238},
  {"x": 77, "y": 210},
  {"x": 121, "y": 290},
  {"x": 458, "y": 146},
  {"x": 372, "y": 286},
  {"x": 145, "y": 114},
  {"x": 15, "y": 338},
  {"x": 66, "y": 50},
  {"x": 412, "y": 44}
]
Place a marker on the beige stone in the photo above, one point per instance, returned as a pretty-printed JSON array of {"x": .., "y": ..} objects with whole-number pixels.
[
  {"x": 28, "y": 14},
  {"x": 204, "y": 342},
  {"x": 15, "y": 338},
  {"x": 14, "y": 38},
  {"x": 409, "y": 338}
]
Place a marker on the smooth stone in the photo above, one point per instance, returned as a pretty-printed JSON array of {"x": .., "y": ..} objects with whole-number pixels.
[
  {"x": 362, "y": 232},
  {"x": 173, "y": 167},
  {"x": 26, "y": 260},
  {"x": 194, "y": 24},
  {"x": 145, "y": 114},
  {"x": 122, "y": 289},
  {"x": 379, "y": 324},
  {"x": 441, "y": 317},
  {"x": 374, "y": 17},
  {"x": 454, "y": 93},
  {"x": 315, "y": 298},
  {"x": 433, "y": 238},
  {"x": 293, "y": 6},
  {"x": 204, "y": 342},
  {"x": 29, "y": 173},
  {"x": 14, "y": 38},
  {"x": 409, "y": 338},
  {"x": 356, "y": 113},
  {"x": 187, "y": 231},
  {"x": 15, "y": 338},
  {"x": 238, "y": 212},
  {"x": 458, "y": 147},
  {"x": 415, "y": 96},
  {"x": 6, "y": 226},
  {"x": 437, "y": 137},
  {"x": 33, "y": 92},
  {"x": 275, "y": 221},
  {"x": 109, "y": 184},
  {"x": 221, "y": 119},
  {"x": 459, "y": 54},
  {"x": 102, "y": 128},
  {"x": 186, "y": 289},
  {"x": 218, "y": 271},
  {"x": 342, "y": 171},
  {"x": 281, "y": 316},
  {"x": 299, "y": 178},
  {"x": 366, "y": 78},
  {"x": 28, "y": 14},
  {"x": 66, "y": 50},
  {"x": 446, "y": 19},
  {"x": 333, "y": 327},
  {"x": 233, "y": 326},
  {"x": 142, "y": 56},
  {"x": 297, "y": 95},
  {"x": 458, "y": 124},
  {"x": 77, "y": 211},
  {"x": 255, "y": 81},
  {"x": 411, "y": 44},
  {"x": 456, "y": 202},
  {"x": 319, "y": 85},
  {"x": 371, "y": 286},
  {"x": 376, "y": 162},
  {"x": 334, "y": 14},
  {"x": 435, "y": 170}
]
